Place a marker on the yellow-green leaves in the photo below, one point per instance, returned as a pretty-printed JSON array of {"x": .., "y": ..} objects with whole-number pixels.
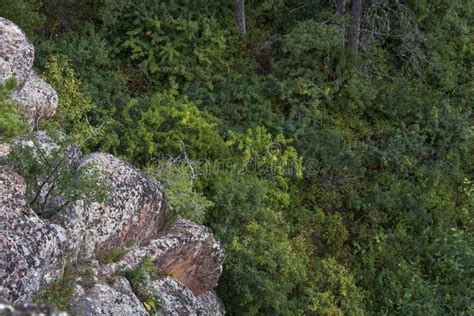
[{"x": 74, "y": 106}]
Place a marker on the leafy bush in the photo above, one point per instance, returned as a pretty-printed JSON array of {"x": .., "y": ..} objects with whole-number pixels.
[
  {"x": 177, "y": 177},
  {"x": 12, "y": 119},
  {"x": 25, "y": 14},
  {"x": 162, "y": 126},
  {"x": 74, "y": 106},
  {"x": 86, "y": 59},
  {"x": 170, "y": 42},
  {"x": 264, "y": 155}
]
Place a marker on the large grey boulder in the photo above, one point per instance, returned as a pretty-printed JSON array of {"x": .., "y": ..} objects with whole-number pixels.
[
  {"x": 32, "y": 250},
  {"x": 133, "y": 213},
  {"x": 16, "y": 53},
  {"x": 36, "y": 96}
]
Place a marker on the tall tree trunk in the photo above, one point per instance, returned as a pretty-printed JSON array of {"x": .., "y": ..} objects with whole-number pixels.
[
  {"x": 240, "y": 16},
  {"x": 341, "y": 7},
  {"x": 340, "y": 10},
  {"x": 354, "y": 27}
]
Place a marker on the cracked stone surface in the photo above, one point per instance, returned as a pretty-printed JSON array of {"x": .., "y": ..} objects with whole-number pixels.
[
  {"x": 32, "y": 250},
  {"x": 107, "y": 299},
  {"x": 38, "y": 98}
]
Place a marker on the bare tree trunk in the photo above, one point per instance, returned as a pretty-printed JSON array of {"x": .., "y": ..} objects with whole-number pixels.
[
  {"x": 240, "y": 16},
  {"x": 354, "y": 27},
  {"x": 341, "y": 7},
  {"x": 340, "y": 10}
]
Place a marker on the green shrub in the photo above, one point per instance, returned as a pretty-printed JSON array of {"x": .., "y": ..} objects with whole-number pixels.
[
  {"x": 73, "y": 107},
  {"x": 177, "y": 177},
  {"x": 53, "y": 181},
  {"x": 25, "y": 14},
  {"x": 113, "y": 255},
  {"x": 165, "y": 125},
  {"x": 263, "y": 266},
  {"x": 12, "y": 118},
  {"x": 139, "y": 279}
]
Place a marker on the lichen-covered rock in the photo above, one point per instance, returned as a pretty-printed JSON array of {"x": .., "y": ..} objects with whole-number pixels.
[
  {"x": 38, "y": 98},
  {"x": 106, "y": 299},
  {"x": 132, "y": 213},
  {"x": 16, "y": 53},
  {"x": 32, "y": 250},
  {"x": 177, "y": 299},
  {"x": 187, "y": 250},
  {"x": 211, "y": 303},
  {"x": 28, "y": 309}
]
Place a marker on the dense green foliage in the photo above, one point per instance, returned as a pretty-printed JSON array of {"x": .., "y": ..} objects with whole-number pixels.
[
  {"x": 340, "y": 183},
  {"x": 12, "y": 122}
]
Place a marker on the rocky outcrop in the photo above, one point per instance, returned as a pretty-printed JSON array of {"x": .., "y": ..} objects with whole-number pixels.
[
  {"x": 133, "y": 212},
  {"x": 38, "y": 98},
  {"x": 187, "y": 251},
  {"x": 116, "y": 297},
  {"x": 32, "y": 250}
]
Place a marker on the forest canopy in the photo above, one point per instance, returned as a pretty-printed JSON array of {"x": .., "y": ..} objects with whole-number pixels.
[{"x": 328, "y": 143}]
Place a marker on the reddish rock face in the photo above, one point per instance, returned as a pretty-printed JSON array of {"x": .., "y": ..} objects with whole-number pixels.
[
  {"x": 187, "y": 251},
  {"x": 197, "y": 260}
]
